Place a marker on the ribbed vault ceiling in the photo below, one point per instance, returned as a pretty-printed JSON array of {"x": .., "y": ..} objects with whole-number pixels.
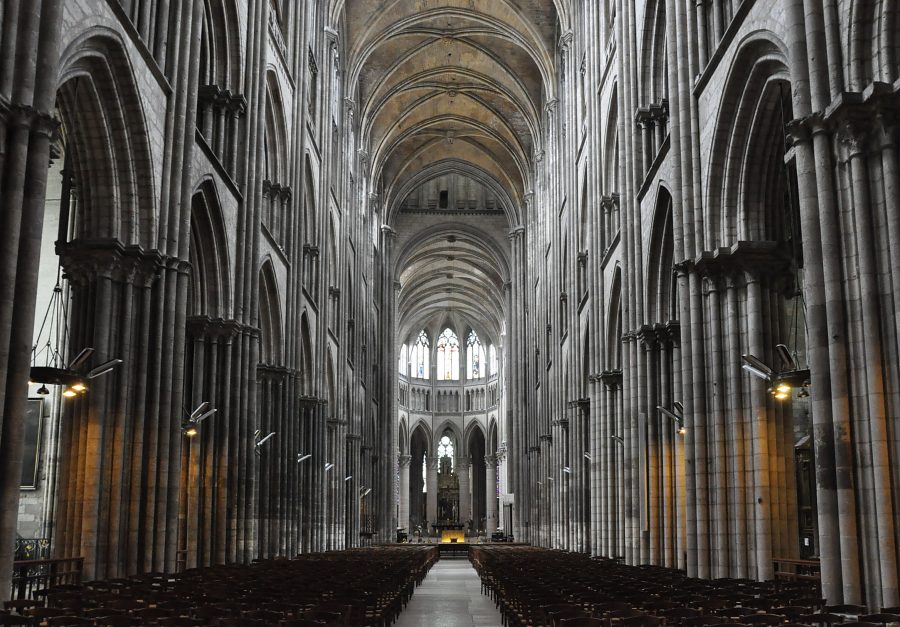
[{"x": 451, "y": 85}]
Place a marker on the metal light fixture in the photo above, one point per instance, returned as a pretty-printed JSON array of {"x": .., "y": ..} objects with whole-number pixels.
[
  {"x": 567, "y": 470},
  {"x": 617, "y": 438},
  {"x": 259, "y": 441},
  {"x": 783, "y": 381},
  {"x": 190, "y": 426},
  {"x": 348, "y": 477},
  {"x": 587, "y": 456},
  {"x": 677, "y": 417},
  {"x": 328, "y": 466},
  {"x": 302, "y": 458}
]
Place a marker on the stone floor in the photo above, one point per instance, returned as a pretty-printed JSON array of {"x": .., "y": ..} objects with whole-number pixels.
[{"x": 450, "y": 596}]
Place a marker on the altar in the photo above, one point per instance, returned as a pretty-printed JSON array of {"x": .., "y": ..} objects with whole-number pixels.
[{"x": 450, "y": 532}]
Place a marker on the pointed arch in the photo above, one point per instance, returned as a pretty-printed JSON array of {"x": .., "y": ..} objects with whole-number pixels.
[
  {"x": 208, "y": 254},
  {"x": 270, "y": 320},
  {"x": 306, "y": 356},
  {"x": 101, "y": 109},
  {"x": 660, "y": 299},
  {"x": 614, "y": 323}
]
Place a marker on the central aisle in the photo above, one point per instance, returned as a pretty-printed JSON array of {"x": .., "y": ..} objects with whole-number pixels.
[{"x": 450, "y": 596}]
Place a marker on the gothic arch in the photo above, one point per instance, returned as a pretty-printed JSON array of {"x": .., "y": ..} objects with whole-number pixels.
[
  {"x": 220, "y": 46},
  {"x": 306, "y": 356},
  {"x": 654, "y": 79},
  {"x": 614, "y": 323},
  {"x": 101, "y": 109},
  {"x": 210, "y": 265},
  {"x": 474, "y": 427},
  {"x": 270, "y": 319},
  {"x": 660, "y": 281},
  {"x": 276, "y": 132},
  {"x": 758, "y": 68}
]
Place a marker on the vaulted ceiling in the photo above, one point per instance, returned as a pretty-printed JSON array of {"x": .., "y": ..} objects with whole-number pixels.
[{"x": 451, "y": 86}]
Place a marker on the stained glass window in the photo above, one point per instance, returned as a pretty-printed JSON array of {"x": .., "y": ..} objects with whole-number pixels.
[
  {"x": 495, "y": 365},
  {"x": 421, "y": 357},
  {"x": 448, "y": 356},
  {"x": 475, "y": 357},
  {"x": 404, "y": 360}
]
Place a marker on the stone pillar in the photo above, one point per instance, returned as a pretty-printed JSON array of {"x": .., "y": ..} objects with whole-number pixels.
[
  {"x": 490, "y": 488},
  {"x": 431, "y": 481},
  {"x": 465, "y": 493},
  {"x": 403, "y": 514}
]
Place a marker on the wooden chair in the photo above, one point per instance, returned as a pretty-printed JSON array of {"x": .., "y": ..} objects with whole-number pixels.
[
  {"x": 702, "y": 621},
  {"x": 822, "y": 618},
  {"x": 584, "y": 622},
  {"x": 764, "y": 619},
  {"x": 882, "y": 619},
  {"x": 853, "y": 610},
  {"x": 645, "y": 620}
]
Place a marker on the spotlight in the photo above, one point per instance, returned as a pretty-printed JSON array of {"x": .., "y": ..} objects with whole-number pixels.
[
  {"x": 348, "y": 477},
  {"x": 783, "y": 388},
  {"x": 682, "y": 430},
  {"x": 587, "y": 456},
  {"x": 567, "y": 470},
  {"x": 803, "y": 393},
  {"x": 69, "y": 393},
  {"x": 190, "y": 431},
  {"x": 328, "y": 466},
  {"x": 617, "y": 438},
  {"x": 43, "y": 390},
  {"x": 302, "y": 458},
  {"x": 79, "y": 387},
  {"x": 366, "y": 492},
  {"x": 781, "y": 396}
]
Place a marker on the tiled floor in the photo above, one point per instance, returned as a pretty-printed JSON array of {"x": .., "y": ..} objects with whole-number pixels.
[{"x": 450, "y": 596}]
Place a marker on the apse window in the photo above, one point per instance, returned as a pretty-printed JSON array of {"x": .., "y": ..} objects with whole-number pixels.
[{"x": 444, "y": 199}]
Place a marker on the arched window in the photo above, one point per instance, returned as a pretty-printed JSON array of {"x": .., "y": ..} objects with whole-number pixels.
[
  {"x": 474, "y": 357},
  {"x": 421, "y": 357},
  {"x": 495, "y": 365},
  {"x": 404, "y": 360},
  {"x": 448, "y": 356},
  {"x": 445, "y": 449}
]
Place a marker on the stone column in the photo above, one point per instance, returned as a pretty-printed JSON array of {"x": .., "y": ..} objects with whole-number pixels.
[
  {"x": 431, "y": 481},
  {"x": 403, "y": 515},
  {"x": 465, "y": 493},
  {"x": 490, "y": 487}
]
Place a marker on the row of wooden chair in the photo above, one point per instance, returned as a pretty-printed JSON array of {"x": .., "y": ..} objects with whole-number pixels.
[
  {"x": 358, "y": 587},
  {"x": 544, "y": 588}
]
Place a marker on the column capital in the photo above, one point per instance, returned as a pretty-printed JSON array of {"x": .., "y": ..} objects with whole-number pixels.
[
  {"x": 463, "y": 463},
  {"x": 388, "y": 230},
  {"x": 515, "y": 232},
  {"x": 490, "y": 461},
  {"x": 405, "y": 461}
]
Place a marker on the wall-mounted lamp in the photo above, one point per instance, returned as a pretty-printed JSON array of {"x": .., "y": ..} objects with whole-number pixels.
[
  {"x": 617, "y": 438},
  {"x": 190, "y": 426},
  {"x": 678, "y": 418},
  {"x": 587, "y": 456},
  {"x": 328, "y": 466},
  {"x": 258, "y": 442},
  {"x": 302, "y": 458}
]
